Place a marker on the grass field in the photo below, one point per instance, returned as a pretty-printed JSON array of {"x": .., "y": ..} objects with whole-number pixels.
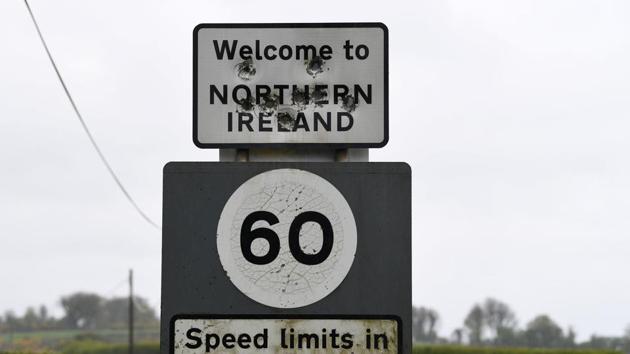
[
  {"x": 93, "y": 347},
  {"x": 76, "y": 341},
  {"x": 114, "y": 341},
  {"x": 451, "y": 349},
  {"x": 140, "y": 333}
]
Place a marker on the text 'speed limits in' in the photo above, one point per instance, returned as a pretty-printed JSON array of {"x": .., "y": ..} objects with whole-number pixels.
[{"x": 195, "y": 335}]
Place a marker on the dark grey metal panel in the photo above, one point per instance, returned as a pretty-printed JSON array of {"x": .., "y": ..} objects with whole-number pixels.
[{"x": 193, "y": 279}]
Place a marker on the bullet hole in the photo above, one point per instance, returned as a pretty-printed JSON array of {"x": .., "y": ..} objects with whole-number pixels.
[
  {"x": 299, "y": 98},
  {"x": 320, "y": 96},
  {"x": 286, "y": 118},
  {"x": 246, "y": 104},
  {"x": 245, "y": 70},
  {"x": 315, "y": 66},
  {"x": 349, "y": 103},
  {"x": 269, "y": 104}
]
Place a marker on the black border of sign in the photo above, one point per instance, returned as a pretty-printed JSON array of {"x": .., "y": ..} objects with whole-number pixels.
[
  {"x": 295, "y": 25},
  {"x": 171, "y": 329}
]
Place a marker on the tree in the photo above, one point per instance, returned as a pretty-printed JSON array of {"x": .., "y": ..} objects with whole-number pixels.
[
  {"x": 44, "y": 319},
  {"x": 144, "y": 313},
  {"x": 424, "y": 321},
  {"x": 11, "y": 321},
  {"x": 115, "y": 313},
  {"x": 601, "y": 342},
  {"x": 43, "y": 313},
  {"x": 509, "y": 337},
  {"x": 569, "y": 340},
  {"x": 543, "y": 332},
  {"x": 498, "y": 315},
  {"x": 474, "y": 322},
  {"x": 500, "y": 320},
  {"x": 626, "y": 340},
  {"x": 30, "y": 320},
  {"x": 458, "y": 336},
  {"x": 81, "y": 310}
]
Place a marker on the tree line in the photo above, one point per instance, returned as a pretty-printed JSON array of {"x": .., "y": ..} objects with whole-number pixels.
[
  {"x": 82, "y": 311},
  {"x": 489, "y": 323},
  {"x": 494, "y": 323}
]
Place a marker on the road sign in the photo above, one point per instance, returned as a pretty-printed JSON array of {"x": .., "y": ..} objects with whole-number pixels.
[
  {"x": 286, "y": 334},
  {"x": 286, "y": 258},
  {"x": 310, "y": 230},
  {"x": 290, "y": 84}
]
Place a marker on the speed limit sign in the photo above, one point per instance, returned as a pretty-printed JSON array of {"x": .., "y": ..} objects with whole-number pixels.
[
  {"x": 304, "y": 247},
  {"x": 286, "y": 258}
]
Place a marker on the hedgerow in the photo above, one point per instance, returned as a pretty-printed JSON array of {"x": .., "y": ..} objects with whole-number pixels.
[{"x": 453, "y": 349}]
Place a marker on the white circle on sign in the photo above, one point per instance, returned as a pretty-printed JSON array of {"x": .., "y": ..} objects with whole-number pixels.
[{"x": 286, "y": 238}]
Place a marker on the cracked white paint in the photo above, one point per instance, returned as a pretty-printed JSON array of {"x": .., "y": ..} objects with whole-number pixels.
[{"x": 285, "y": 282}]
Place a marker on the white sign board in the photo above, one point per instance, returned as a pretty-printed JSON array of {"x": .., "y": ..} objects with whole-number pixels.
[
  {"x": 290, "y": 84},
  {"x": 344, "y": 334},
  {"x": 286, "y": 238}
]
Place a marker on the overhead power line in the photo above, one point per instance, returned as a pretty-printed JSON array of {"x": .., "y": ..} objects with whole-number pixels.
[{"x": 85, "y": 127}]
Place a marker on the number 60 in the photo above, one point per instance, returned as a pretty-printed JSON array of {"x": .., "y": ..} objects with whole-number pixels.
[{"x": 248, "y": 236}]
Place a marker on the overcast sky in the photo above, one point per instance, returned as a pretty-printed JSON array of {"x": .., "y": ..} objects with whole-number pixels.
[{"x": 514, "y": 117}]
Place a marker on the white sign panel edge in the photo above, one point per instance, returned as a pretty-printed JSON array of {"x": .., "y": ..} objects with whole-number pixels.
[
  {"x": 193, "y": 334},
  {"x": 279, "y": 142}
]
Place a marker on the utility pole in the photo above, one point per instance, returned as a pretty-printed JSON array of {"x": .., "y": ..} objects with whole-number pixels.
[{"x": 130, "y": 311}]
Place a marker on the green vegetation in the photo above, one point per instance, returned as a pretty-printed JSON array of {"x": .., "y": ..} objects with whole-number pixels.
[
  {"x": 88, "y": 322},
  {"x": 493, "y": 324},
  {"x": 93, "y": 324},
  {"x": 81, "y": 311},
  {"x": 455, "y": 349},
  {"x": 58, "y": 340},
  {"x": 89, "y": 347},
  {"x": 93, "y": 347}
]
